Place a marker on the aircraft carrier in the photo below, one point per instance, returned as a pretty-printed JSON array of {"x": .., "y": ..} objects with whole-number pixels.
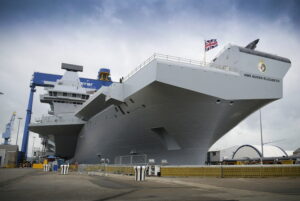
[{"x": 168, "y": 109}]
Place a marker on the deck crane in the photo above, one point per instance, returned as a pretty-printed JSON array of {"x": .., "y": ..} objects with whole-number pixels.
[{"x": 9, "y": 127}]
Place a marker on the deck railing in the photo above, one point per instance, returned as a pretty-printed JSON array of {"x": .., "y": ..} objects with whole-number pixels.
[{"x": 181, "y": 60}]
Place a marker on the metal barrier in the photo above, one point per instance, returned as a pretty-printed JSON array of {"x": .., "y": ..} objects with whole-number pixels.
[
  {"x": 115, "y": 169},
  {"x": 232, "y": 171},
  {"x": 139, "y": 159},
  {"x": 37, "y": 166},
  {"x": 237, "y": 171}
]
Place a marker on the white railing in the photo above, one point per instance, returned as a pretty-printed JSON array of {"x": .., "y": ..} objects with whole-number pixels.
[{"x": 181, "y": 60}]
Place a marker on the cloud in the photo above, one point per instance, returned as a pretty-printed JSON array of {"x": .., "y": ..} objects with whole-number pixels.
[{"x": 39, "y": 35}]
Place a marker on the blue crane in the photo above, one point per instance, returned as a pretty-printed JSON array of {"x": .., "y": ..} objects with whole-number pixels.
[
  {"x": 42, "y": 80},
  {"x": 9, "y": 127}
]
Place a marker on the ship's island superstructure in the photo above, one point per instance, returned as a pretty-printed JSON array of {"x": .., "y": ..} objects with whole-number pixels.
[{"x": 169, "y": 108}]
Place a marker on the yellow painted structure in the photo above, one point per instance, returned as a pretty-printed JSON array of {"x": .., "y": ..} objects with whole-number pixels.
[
  {"x": 10, "y": 165},
  {"x": 287, "y": 162},
  {"x": 229, "y": 171},
  {"x": 233, "y": 171},
  {"x": 37, "y": 166},
  {"x": 73, "y": 167}
]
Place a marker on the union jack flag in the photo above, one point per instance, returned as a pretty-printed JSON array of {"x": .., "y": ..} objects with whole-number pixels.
[{"x": 210, "y": 44}]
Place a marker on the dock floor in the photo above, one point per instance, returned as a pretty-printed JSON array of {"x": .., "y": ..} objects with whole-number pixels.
[{"x": 29, "y": 184}]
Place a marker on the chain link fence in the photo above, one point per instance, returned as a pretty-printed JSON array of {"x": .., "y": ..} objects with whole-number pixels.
[{"x": 130, "y": 160}]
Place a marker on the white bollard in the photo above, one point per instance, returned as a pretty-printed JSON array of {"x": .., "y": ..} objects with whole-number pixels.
[
  {"x": 143, "y": 173},
  {"x": 61, "y": 169},
  {"x": 137, "y": 170},
  {"x": 67, "y": 168}
]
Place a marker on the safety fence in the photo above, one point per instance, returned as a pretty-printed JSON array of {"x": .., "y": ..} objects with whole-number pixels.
[
  {"x": 41, "y": 166},
  {"x": 114, "y": 169},
  {"x": 232, "y": 171},
  {"x": 237, "y": 171},
  {"x": 131, "y": 160}
]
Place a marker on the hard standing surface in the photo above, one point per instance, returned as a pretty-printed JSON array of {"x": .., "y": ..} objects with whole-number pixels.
[{"x": 28, "y": 184}]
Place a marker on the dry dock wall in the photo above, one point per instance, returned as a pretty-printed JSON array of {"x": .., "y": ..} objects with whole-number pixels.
[
  {"x": 8, "y": 155},
  {"x": 237, "y": 171}
]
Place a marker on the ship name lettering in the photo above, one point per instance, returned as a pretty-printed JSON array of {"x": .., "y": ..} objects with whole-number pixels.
[{"x": 261, "y": 77}]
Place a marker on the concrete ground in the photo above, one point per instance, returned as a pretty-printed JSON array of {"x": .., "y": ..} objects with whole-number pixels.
[{"x": 28, "y": 184}]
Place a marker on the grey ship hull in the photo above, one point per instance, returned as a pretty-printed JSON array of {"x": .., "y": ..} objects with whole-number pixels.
[
  {"x": 164, "y": 122},
  {"x": 171, "y": 108}
]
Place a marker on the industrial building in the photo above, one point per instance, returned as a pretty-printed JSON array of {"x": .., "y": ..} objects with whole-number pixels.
[
  {"x": 249, "y": 152},
  {"x": 254, "y": 151},
  {"x": 8, "y": 155}
]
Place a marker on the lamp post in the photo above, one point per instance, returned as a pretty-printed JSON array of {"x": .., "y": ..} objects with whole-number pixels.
[
  {"x": 33, "y": 146},
  {"x": 19, "y": 118},
  {"x": 261, "y": 139},
  {"x": 105, "y": 161},
  {"x": 99, "y": 156}
]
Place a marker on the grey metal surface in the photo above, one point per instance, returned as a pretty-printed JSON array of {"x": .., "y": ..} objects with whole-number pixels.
[
  {"x": 263, "y": 54},
  {"x": 193, "y": 120},
  {"x": 72, "y": 67},
  {"x": 175, "y": 109}
]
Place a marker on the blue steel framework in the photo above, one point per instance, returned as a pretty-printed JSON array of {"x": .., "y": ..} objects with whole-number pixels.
[{"x": 38, "y": 80}]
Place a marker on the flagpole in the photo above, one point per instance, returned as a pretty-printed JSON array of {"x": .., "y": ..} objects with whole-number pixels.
[{"x": 204, "y": 55}]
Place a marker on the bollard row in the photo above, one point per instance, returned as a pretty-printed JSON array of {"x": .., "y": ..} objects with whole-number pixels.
[
  {"x": 46, "y": 167},
  {"x": 140, "y": 173},
  {"x": 64, "y": 169}
]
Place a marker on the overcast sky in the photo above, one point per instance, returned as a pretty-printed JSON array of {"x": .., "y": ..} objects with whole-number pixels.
[{"x": 39, "y": 35}]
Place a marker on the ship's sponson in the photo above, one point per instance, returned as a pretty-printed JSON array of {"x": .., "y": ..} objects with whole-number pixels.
[{"x": 237, "y": 73}]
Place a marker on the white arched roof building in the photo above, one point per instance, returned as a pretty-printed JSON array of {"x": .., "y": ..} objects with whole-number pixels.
[{"x": 254, "y": 151}]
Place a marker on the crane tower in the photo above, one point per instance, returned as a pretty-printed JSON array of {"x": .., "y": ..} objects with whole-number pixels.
[{"x": 9, "y": 127}]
